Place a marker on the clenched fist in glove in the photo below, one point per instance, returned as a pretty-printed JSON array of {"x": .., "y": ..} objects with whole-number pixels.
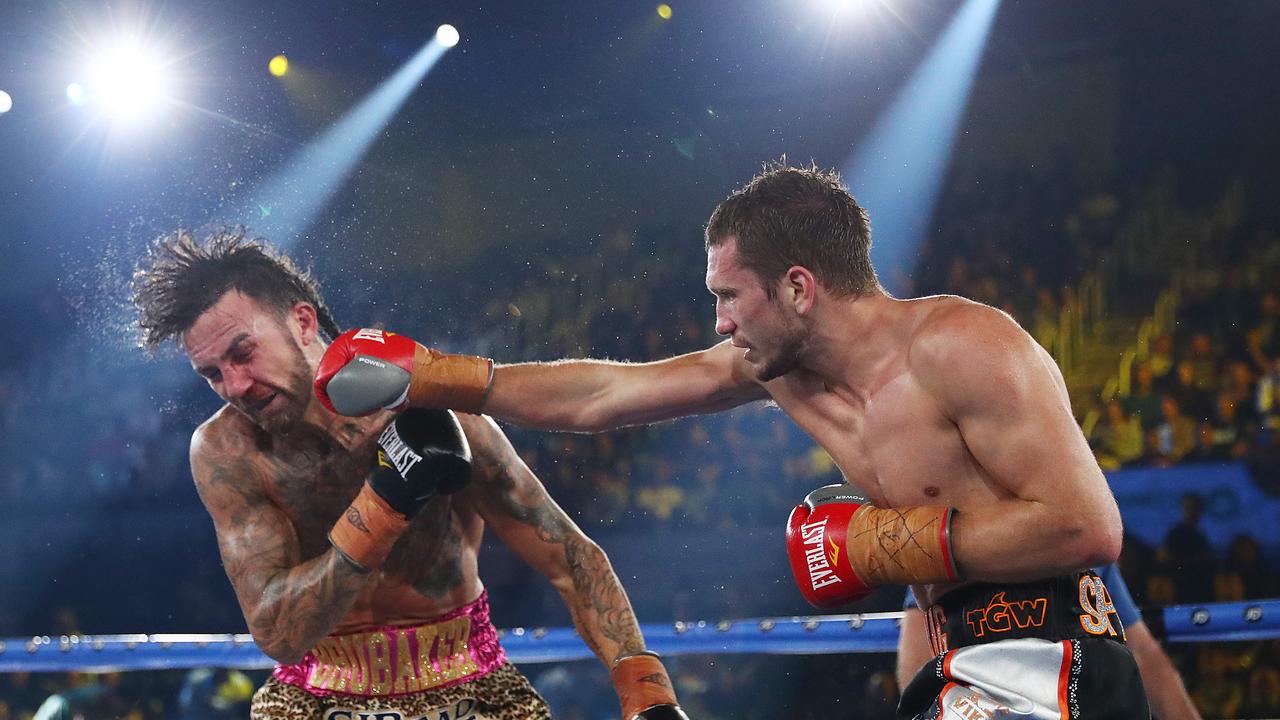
[{"x": 368, "y": 369}]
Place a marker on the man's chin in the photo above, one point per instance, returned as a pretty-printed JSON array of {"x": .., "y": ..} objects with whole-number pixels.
[{"x": 279, "y": 422}]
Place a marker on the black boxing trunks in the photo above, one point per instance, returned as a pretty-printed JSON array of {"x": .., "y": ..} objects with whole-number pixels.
[
  {"x": 1046, "y": 650},
  {"x": 451, "y": 668}
]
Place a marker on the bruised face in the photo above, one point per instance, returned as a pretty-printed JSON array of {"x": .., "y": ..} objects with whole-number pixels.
[
  {"x": 772, "y": 336},
  {"x": 251, "y": 357}
]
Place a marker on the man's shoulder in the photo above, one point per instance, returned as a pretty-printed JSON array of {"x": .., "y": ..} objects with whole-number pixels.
[
  {"x": 226, "y": 431},
  {"x": 947, "y": 325}
]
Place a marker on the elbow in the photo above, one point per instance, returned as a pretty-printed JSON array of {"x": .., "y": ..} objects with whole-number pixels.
[
  {"x": 274, "y": 644},
  {"x": 589, "y": 559},
  {"x": 1095, "y": 540},
  {"x": 278, "y": 650}
]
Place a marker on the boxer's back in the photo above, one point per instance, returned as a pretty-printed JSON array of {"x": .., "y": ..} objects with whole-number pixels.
[{"x": 311, "y": 480}]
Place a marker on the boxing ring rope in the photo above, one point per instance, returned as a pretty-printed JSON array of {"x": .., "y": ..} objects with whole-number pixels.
[{"x": 824, "y": 634}]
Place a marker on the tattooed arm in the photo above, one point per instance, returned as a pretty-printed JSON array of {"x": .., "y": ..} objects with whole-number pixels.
[
  {"x": 517, "y": 507},
  {"x": 288, "y": 604}
]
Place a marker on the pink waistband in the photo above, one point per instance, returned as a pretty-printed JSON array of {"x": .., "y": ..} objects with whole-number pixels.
[{"x": 456, "y": 647}]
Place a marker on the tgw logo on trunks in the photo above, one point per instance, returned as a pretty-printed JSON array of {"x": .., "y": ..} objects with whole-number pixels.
[
  {"x": 820, "y": 564},
  {"x": 1095, "y": 600},
  {"x": 464, "y": 709},
  {"x": 1001, "y": 616}
]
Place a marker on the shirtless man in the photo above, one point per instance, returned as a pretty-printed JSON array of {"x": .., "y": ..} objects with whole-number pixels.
[
  {"x": 942, "y": 411},
  {"x": 352, "y": 544}
]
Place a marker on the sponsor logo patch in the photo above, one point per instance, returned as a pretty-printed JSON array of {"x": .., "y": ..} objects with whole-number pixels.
[{"x": 821, "y": 565}]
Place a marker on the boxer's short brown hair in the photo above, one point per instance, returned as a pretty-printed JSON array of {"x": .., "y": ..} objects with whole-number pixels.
[{"x": 798, "y": 216}]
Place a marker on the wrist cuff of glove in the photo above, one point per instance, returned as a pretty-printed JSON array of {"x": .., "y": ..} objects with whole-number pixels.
[
  {"x": 455, "y": 382},
  {"x": 902, "y": 546},
  {"x": 367, "y": 529},
  {"x": 642, "y": 682}
]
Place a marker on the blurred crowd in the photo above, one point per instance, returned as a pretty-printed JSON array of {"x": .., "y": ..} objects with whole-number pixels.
[{"x": 1208, "y": 390}]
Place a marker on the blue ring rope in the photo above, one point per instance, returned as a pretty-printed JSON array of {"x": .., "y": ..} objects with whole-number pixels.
[{"x": 862, "y": 633}]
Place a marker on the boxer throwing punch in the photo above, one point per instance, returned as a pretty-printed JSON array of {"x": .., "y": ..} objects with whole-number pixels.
[
  {"x": 352, "y": 544},
  {"x": 942, "y": 411}
]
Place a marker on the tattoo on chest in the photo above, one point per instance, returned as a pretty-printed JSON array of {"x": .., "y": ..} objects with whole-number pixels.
[{"x": 314, "y": 492}]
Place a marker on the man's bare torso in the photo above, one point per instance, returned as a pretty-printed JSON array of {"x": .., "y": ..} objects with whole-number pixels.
[
  {"x": 890, "y": 438},
  {"x": 312, "y": 479}
]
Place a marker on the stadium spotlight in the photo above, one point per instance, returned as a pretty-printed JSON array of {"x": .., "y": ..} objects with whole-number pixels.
[
  {"x": 129, "y": 82},
  {"x": 279, "y": 65},
  {"x": 6, "y": 102},
  {"x": 75, "y": 94},
  {"x": 447, "y": 35},
  {"x": 664, "y": 11}
]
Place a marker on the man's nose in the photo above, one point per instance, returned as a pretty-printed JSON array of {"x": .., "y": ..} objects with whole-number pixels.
[
  {"x": 724, "y": 326},
  {"x": 235, "y": 382}
]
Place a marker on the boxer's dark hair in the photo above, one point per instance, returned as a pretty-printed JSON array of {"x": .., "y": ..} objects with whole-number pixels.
[
  {"x": 798, "y": 216},
  {"x": 181, "y": 277}
]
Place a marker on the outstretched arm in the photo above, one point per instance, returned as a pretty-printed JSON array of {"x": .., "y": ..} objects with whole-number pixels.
[
  {"x": 1008, "y": 400},
  {"x": 595, "y": 395},
  {"x": 367, "y": 369},
  {"x": 289, "y": 605}
]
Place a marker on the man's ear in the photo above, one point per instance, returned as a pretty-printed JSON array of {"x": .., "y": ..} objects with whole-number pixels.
[
  {"x": 304, "y": 321},
  {"x": 799, "y": 289}
]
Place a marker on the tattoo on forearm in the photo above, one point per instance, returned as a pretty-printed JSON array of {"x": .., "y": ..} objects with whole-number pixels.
[{"x": 598, "y": 604}]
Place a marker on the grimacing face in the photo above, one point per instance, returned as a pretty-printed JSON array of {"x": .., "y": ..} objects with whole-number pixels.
[
  {"x": 773, "y": 340},
  {"x": 251, "y": 358}
]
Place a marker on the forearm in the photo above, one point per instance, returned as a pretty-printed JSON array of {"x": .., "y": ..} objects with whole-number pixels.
[
  {"x": 298, "y": 607},
  {"x": 562, "y": 395},
  {"x": 601, "y": 611},
  {"x": 1049, "y": 540},
  {"x": 1165, "y": 691}
]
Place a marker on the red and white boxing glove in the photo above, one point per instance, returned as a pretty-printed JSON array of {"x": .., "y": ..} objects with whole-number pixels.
[
  {"x": 367, "y": 369},
  {"x": 841, "y": 548}
]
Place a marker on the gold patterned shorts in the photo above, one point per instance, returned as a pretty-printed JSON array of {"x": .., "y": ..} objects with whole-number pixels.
[{"x": 503, "y": 694}]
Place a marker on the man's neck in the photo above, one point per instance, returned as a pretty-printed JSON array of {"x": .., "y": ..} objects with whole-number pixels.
[{"x": 854, "y": 339}]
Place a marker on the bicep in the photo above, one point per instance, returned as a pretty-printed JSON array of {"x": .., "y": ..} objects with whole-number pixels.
[
  {"x": 255, "y": 538},
  {"x": 1009, "y": 403}
]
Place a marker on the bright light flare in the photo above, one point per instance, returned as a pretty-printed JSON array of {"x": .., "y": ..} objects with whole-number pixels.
[
  {"x": 129, "y": 82},
  {"x": 6, "y": 102},
  {"x": 278, "y": 66},
  {"x": 664, "y": 11},
  {"x": 75, "y": 94},
  {"x": 447, "y": 35}
]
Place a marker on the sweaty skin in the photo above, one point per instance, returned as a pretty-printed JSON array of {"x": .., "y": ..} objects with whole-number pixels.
[
  {"x": 929, "y": 401},
  {"x": 274, "y": 494}
]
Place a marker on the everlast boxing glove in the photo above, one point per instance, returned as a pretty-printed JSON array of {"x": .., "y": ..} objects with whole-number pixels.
[
  {"x": 644, "y": 688},
  {"x": 841, "y": 548},
  {"x": 421, "y": 454},
  {"x": 368, "y": 369}
]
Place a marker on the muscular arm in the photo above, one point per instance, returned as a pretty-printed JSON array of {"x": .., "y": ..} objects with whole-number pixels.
[
  {"x": 288, "y": 604},
  {"x": 596, "y": 395},
  {"x": 516, "y": 507},
  {"x": 1054, "y": 512}
]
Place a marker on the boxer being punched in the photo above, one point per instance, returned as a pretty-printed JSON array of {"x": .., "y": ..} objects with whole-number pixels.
[
  {"x": 942, "y": 412},
  {"x": 352, "y": 543}
]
